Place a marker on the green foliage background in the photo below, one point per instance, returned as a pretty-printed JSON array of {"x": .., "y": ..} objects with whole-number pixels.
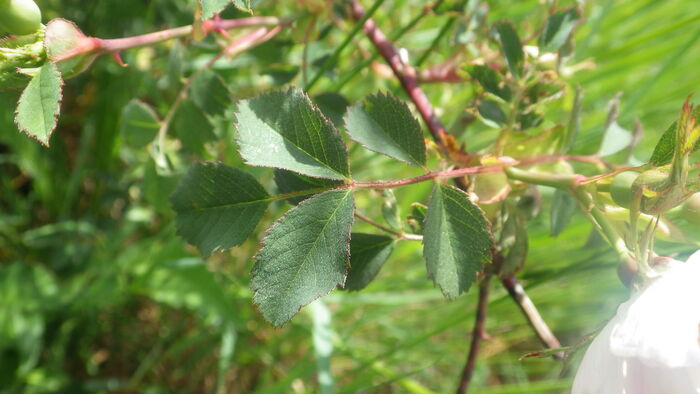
[{"x": 98, "y": 294}]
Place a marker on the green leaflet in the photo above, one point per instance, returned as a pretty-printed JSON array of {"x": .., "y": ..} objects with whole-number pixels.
[
  {"x": 40, "y": 104},
  {"x": 456, "y": 240},
  {"x": 139, "y": 124},
  {"x": 368, "y": 253},
  {"x": 210, "y": 93},
  {"x": 305, "y": 255},
  {"x": 666, "y": 147},
  {"x": 557, "y": 30},
  {"x": 489, "y": 79},
  {"x": 384, "y": 124},
  {"x": 283, "y": 129},
  {"x": 192, "y": 128},
  {"x": 510, "y": 45},
  {"x": 217, "y": 206},
  {"x": 492, "y": 114},
  {"x": 563, "y": 209}
]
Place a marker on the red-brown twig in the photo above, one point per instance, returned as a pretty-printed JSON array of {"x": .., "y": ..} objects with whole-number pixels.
[
  {"x": 478, "y": 334},
  {"x": 408, "y": 77},
  {"x": 440, "y": 73},
  {"x": 405, "y": 73},
  {"x": 116, "y": 45}
]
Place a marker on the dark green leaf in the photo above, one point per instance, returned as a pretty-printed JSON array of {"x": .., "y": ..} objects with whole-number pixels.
[
  {"x": 290, "y": 182},
  {"x": 665, "y": 148},
  {"x": 529, "y": 119},
  {"x": 283, "y": 129},
  {"x": 492, "y": 113},
  {"x": 563, "y": 209},
  {"x": 305, "y": 255},
  {"x": 192, "y": 127},
  {"x": 557, "y": 30},
  {"x": 139, "y": 123},
  {"x": 368, "y": 252},
  {"x": 663, "y": 152},
  {"x": 510, "y": 45},
  {"x": 333, "y": 105},
  {"x": 489, "y": 79},
  {"x": 544, "y": 91},
  {"x": 40, "y": 104},
  {"x": 385, "y": 125},
  {"x": 210, "y": 93},
  {"x": 457, "y": 240},
  {"x": 217, "y": 206}
]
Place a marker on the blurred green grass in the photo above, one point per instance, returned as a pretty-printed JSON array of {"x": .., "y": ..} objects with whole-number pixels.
[{"x": 97, "y": 294}]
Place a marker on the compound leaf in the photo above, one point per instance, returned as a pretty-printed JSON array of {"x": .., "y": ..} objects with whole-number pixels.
[
  {"x": 217, "y": 206},
  {"x": 456, "y": 240},
  {"x": 283, "y": 129},
  {"x": 305, "y": 255}
]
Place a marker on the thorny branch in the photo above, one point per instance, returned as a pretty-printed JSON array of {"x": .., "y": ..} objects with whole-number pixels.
[
  {"x": 409, "y": 77},
  {"x": 116, "y": 45},
  {"x": 405, "y": 73}
]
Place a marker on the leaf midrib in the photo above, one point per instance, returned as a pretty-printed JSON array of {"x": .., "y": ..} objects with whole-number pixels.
[
  {"x": 286, "y": 139},
  {"x": 305, "y": 259}
]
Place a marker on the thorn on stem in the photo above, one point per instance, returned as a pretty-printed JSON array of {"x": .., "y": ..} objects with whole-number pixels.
[{"x": 117, "y": 56}]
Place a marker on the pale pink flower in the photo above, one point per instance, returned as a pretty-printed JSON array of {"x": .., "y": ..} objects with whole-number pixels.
[{"x": 651, "y": 346}]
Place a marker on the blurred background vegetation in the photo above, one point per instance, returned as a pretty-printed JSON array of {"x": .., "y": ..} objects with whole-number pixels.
[{"x": 98, "y": 294}]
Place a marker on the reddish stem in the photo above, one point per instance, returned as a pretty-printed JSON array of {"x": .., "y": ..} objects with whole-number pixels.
[
  {"x": 405, "y": 73},
  {"x": 440, "y": 73},
  {"x": 93, "y": 44},
  {"x": 478, "y": 334},
  {"x": 459, "y": 172}
]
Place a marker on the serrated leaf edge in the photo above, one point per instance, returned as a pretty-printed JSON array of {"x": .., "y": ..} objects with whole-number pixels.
[
  {"x": 414, "y": 162},
  {"x": 316, "y": 109},
  {"x": 276, "y": 223},
  {"x": 218, "y": 248},
  {"x": 55, "y": 116},
  {"x": 489, "y": 230}
]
